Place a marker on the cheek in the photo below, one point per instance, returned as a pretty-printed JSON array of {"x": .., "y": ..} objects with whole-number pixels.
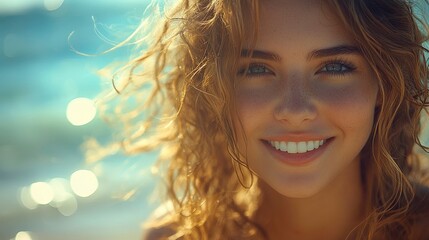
[
  {"x": 252, "y": 104},
  {"x": 353, "y": 105},
  {"x": 256, "y": 96},
  {"x": 253, "y": 111}
]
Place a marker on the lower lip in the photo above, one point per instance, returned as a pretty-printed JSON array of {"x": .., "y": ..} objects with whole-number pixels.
[{"x": 297, "y": 159}]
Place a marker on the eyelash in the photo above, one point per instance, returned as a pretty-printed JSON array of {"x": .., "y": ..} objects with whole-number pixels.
[
  {"x": 345, "y": 68},
  {"x": 246, "y": 71},
  {"x": 263, "y": 70}
]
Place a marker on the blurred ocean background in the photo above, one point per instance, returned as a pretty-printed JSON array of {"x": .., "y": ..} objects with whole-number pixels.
[{"x": 47, "y": 191}]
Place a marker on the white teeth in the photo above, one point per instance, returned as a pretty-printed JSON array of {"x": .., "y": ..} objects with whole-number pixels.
[
  {"x": 282, "y": 146},
  {"x": 302, "y": 147},
  {"x": 292, "y": 147},
  {"x": 310, "y": 145},
  {"x": 316, "y": 144},
  {"x": 297, "y": 147}
]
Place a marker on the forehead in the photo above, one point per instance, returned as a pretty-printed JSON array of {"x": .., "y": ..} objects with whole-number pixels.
[{"x": 299, "y": 24}]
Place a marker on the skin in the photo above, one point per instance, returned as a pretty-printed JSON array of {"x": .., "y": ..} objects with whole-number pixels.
[{"x": 296, "y": 90}]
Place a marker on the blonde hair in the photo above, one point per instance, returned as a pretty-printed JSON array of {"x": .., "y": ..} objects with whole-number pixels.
[
  {"x": 391, "y": 42},
  {"x": 181, "y": 88}
]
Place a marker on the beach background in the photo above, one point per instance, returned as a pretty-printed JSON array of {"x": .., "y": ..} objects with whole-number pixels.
[{"x": 47, "y": 190}]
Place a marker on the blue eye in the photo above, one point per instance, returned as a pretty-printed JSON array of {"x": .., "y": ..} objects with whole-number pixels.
[
  {"x": 256, "y": 70},
  {"x": 337, "y": 68}
]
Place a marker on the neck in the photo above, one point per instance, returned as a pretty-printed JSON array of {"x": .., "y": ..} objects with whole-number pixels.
[{"x": 330, "y": 214}]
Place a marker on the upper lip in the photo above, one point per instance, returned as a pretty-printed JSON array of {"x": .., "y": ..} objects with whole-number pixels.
[{"x": 297, "y": 138}]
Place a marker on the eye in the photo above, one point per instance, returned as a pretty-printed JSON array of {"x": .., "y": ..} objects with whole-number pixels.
[
  {"x": 337, "y": 67},
  {"x": 256, "y": 70}
]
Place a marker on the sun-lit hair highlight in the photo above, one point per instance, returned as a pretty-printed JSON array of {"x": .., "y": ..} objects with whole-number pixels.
[{"x": 180, "y": 88}]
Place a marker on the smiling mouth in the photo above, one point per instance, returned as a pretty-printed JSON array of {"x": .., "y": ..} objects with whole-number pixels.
[{"x": 297, "y": 147}]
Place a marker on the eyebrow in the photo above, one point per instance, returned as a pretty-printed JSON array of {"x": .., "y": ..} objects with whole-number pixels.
[
  {"x": 319, "y": 53},
  {"x": 260, "y": 55},
  {"x": 332, "y": 51}
]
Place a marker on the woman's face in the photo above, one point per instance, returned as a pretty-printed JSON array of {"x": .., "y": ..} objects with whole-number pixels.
[{"x": 306, "y": 105}]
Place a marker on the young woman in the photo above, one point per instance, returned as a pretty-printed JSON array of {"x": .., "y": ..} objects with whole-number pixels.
[{"x": 284, "y": 119}]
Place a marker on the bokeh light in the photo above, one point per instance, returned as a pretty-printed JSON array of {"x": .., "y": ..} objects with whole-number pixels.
[
  {"x": 60, "y": 186},
  {"x": 26, "y": 199},
  {"x": 41, "y": 192},
  {"x": 52, "y": 5},
  {"x": 20, "y": 6},
  {"x": 69, "y": 206},
  {"x": 84, "y": 183},
  {"x": 23, "y": 236},
  {"x": 81, "y": 111},
  {"x": 17, "y": 6}
]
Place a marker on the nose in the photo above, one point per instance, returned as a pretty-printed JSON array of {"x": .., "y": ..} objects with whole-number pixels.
[{"x": 296, "y": 106}]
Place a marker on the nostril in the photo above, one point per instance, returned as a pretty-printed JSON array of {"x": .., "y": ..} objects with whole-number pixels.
[{"x": 295, "y": 112}]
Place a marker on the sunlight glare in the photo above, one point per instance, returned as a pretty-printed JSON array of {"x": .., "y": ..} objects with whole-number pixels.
[
  {"x": 60, "y": 186},
  {"x": 41, "y": 192},
  {"x": 26, "y": 199},
  {"x": 83, "y": 183},
  {"x": 69, "y": 206},
  {"x": 17, "y": 6},
  {"x": 23, "y": 236},
  {"x": 81, "y": 111},
  {"x": 52, "y": 5}
]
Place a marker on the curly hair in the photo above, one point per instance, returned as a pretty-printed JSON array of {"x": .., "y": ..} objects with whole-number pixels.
[
  {"x": 180, "y": 88},
  {"x": 391, "y": 42}
]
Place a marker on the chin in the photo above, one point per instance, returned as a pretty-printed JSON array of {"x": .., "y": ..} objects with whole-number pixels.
[
  {"x": 298, "y": 193},
  {"x": 293, "y": 190}
]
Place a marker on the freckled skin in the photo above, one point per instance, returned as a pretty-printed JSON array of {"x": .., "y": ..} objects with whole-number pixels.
[{"x": 295, "y": 97}]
